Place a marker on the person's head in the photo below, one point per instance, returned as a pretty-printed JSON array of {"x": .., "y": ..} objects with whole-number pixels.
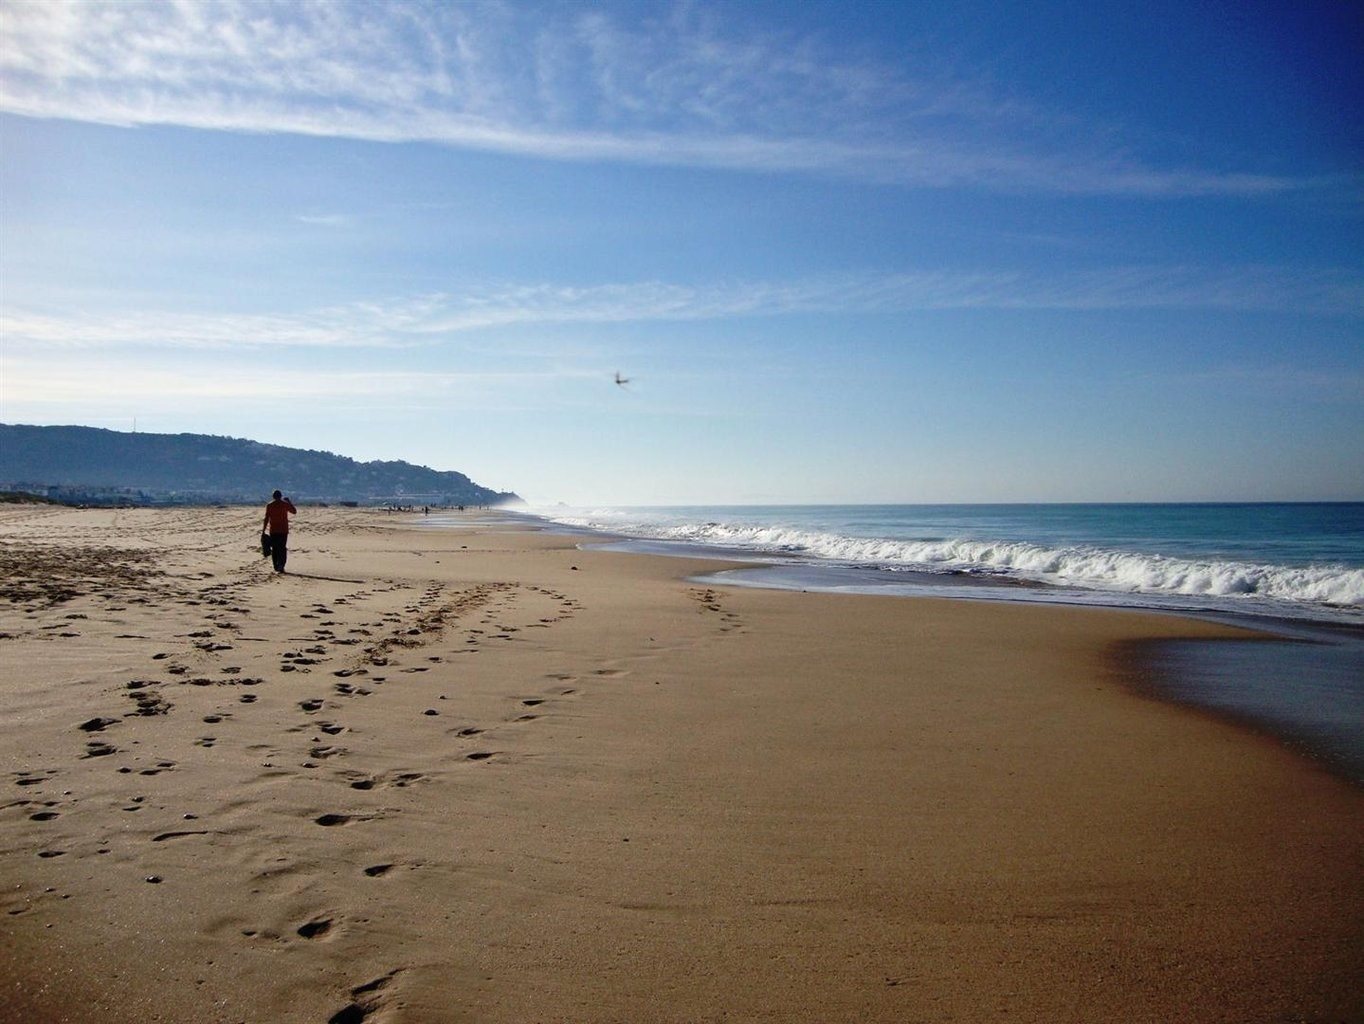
[{"x": 278, "y": 495}]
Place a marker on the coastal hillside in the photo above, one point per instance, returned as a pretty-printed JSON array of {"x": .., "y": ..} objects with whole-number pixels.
[{"x": 100, "y": 466}]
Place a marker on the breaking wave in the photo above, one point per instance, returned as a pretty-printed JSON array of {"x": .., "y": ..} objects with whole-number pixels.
[{"x": 1074, "y": 566}]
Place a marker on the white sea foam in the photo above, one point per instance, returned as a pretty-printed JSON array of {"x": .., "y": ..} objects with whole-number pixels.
[{"x": 1074, "y": 566}]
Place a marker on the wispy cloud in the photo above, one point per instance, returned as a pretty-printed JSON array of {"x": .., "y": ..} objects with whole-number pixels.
[
  {"x": 1244, "y": 288},
  {"x": 324, "y": 220},
  {"x": 39, "y": 383},
  {"x": 668, "y": 86},
  {"x": 356, "y": 326},
  {"x": 429, "y": 319}
]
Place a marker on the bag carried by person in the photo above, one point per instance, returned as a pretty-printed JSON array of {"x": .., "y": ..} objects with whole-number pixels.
[{"x": 265, "y": 545}]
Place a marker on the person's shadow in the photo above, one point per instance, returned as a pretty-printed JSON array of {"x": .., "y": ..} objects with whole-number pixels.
[{"x": 313, "y": 576}]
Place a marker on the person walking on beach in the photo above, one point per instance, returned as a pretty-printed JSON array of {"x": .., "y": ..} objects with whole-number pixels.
[{"x": 277, "y": 515}]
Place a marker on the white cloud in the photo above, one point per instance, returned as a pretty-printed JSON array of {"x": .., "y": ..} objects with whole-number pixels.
[
  {"x": 428, "y": 319},
  {"x": 669, "y": 87},
  {"x": 359, "y": 325},
  {"x": 33, "y": 384},
  {"x": 325, "y": 220}
]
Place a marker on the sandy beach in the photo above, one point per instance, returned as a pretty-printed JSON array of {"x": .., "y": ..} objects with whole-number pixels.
[{"x": 479, "y": 774}]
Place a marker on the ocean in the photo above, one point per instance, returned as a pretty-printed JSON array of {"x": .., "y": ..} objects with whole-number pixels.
[
  {"x": 1295, "y": 570},
  {"x": 1280, "y": 560}
]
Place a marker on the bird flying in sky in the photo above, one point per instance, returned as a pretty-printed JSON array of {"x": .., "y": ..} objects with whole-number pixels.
[{"x": 622, "y": 381}]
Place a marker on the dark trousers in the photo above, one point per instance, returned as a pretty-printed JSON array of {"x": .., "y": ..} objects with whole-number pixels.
[{"x": 279, "y": 550}]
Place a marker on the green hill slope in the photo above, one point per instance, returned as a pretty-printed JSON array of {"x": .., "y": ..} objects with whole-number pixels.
[{"x": 87, "y": 461}]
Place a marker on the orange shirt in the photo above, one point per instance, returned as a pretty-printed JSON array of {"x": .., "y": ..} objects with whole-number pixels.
[{"x": 277, "y": 515}]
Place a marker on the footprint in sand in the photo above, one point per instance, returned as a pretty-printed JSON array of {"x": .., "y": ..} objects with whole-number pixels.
[
  {"x": 179, "y": 835},
  {"x": 148, "y": 704},
  {"x": 400, "y": 781},
  {"x": 366, "y": 1000},
  {"x": 315, "y": 928},
  {"x": 33, "y": 778}
]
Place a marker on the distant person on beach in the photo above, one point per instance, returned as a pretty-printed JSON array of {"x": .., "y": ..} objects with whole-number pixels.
[{"x": 277, "y": 515}]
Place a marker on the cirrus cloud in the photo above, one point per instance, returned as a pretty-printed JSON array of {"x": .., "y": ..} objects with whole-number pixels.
[
  {"x": 671, "y": 86},
  {"x": 426, "y": 320}
]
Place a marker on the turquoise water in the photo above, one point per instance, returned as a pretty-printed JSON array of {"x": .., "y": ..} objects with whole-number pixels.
[{"x": 1294, "y": 560}]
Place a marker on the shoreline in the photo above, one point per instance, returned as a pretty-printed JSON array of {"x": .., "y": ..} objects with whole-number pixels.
[
  {"x": 483, "y": 774},
  {"x": 1186, "y": 674},
  {"x": 1306, "y": 697},
  {"x": 1007, "y": 555}
]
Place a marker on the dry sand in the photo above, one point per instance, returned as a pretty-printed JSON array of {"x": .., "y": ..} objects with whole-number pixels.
[{"x": 480, "y": 775}]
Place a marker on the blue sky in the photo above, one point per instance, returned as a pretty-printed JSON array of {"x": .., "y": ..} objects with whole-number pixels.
[{"x": 846, "y": 252}]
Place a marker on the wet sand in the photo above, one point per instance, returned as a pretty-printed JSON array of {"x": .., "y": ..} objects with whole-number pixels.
[{"x": 479, "y": 775}]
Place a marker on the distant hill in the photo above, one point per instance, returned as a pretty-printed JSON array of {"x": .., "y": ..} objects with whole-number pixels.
[{"x": 93, "y": 465}]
